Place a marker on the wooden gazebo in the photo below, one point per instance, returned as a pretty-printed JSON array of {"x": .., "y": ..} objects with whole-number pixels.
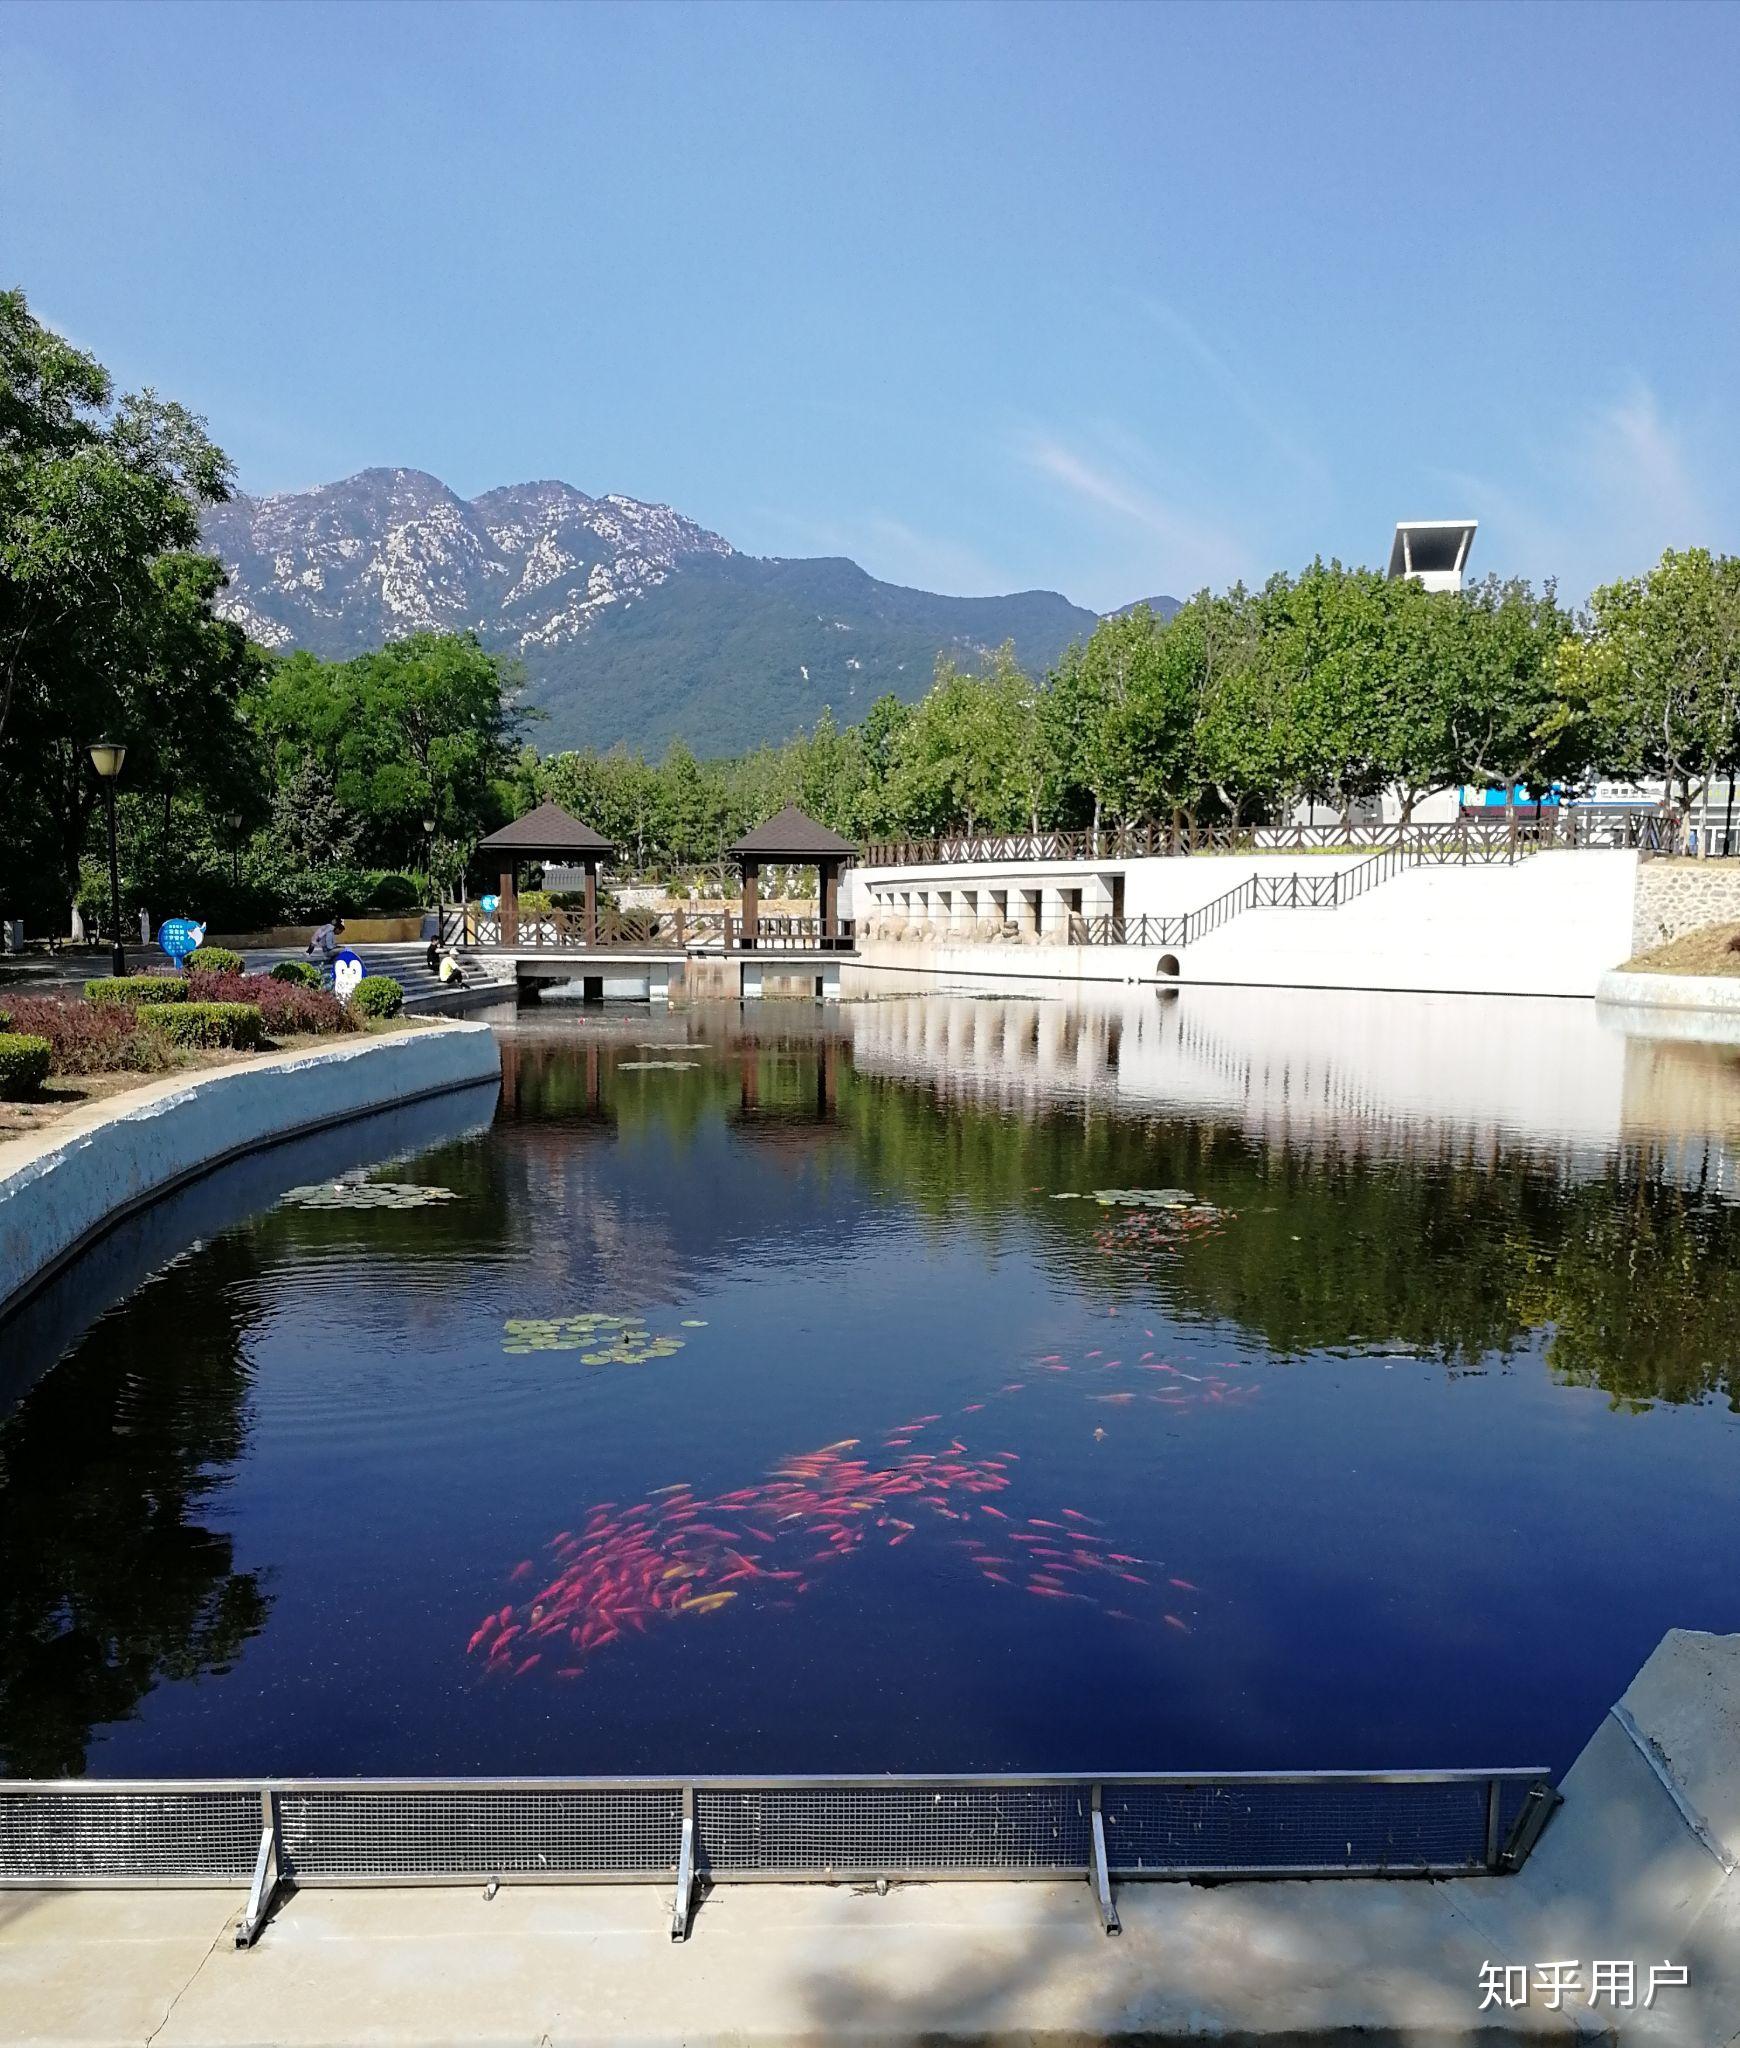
[
  {"x": 800, "y": 840},
  {"x": 546, "y": 834}
]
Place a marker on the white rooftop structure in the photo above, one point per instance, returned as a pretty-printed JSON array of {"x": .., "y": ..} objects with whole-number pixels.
[{"x": 1433, "y": 552}]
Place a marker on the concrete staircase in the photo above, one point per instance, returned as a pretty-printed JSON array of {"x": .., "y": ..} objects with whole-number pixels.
[{"x": 408, "y": 966}]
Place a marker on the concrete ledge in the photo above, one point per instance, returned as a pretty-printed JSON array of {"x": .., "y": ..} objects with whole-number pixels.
[
  {"x": 62, "y": 1189},
  {"x": 1671, "y": 991}
]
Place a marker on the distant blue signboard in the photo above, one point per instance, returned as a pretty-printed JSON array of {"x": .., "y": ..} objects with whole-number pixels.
[
  {"x": 489, "y": 905},
  {"x": 179, "y": 936}
]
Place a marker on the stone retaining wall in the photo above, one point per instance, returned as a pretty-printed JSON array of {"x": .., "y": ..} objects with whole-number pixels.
[
  {"x": 1675, "y": 896},
  {"x": 62, "y": 1188}
]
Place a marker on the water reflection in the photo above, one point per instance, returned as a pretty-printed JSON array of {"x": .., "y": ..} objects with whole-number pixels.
[
  {"x": 1399, "y": 1285},
  {"x": 114, "y": 1574}
]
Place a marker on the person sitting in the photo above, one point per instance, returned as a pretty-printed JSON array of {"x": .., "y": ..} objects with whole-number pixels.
[{"x": 449, "y": 971}]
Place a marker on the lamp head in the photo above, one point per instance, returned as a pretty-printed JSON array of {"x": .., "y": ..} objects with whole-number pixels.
[{"x": 106, "y": 758}]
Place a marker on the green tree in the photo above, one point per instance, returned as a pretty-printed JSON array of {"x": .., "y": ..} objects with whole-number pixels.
[
  {"x": 107, "y": 621},
  {"x": 422, "y": 728},
  {"x": 1653, "y": 685}
]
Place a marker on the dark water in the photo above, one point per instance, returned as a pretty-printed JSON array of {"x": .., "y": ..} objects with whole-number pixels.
[{"x": 1400, "y": 1443}]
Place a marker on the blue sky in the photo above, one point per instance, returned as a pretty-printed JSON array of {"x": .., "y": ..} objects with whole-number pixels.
[{"x": 1107, "y": 299}]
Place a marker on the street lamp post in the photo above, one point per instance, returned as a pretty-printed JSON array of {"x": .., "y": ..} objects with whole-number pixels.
[
  {"x": 106, "y": 758},
  {"x": 235, "y": 824},
  {"x": 429, "y": 864}
]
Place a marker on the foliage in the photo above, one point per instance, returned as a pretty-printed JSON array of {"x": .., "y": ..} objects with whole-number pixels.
[
  {"x": 235, "y": 1026},
  {"x": 422, "y": 728},
  {"x": 395, "y": 892},
  {"x": 377, "y": 995},
  {"x": 215, "y": 960},
  {"x": 106, "y": 604},
  {"x": 1653, "y": 685},
  {"x": 286, "y": 1008},
  {"x": 24, "y": 1063},
  {"x": 136, "y": 989},
  {"x": 92, "y": 1038},
  {"x": 303, "y": 973}
]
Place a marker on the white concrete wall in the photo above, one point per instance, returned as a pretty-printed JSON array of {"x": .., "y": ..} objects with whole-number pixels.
[
  {"x": 60, "y": 1188},
  {"x": 1551, "y": 924}
]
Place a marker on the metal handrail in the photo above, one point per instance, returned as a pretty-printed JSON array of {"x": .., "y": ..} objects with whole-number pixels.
[
  {"x": 275, "y": 1829},
  {"x": 1556, "y": 826}
]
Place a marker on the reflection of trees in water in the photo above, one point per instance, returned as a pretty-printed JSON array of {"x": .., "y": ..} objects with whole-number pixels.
[
  {"x": 1454, "y": 1248},
  {"x": 110, "y": 1582}
]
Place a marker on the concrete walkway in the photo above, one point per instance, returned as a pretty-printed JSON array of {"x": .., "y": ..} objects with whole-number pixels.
[{"x": 1620, "y": 1875}]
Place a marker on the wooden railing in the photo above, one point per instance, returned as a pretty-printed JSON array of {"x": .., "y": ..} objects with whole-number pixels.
[
  {"x": 1552, "y": 825},
  {"x": 644, "y": 931}
]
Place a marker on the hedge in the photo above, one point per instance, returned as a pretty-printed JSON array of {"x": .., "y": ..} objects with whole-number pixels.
[
  {"x": 238, "y": 1026},
  {"x": 377, "y": 995},
  {"x": 284, "y": 1006},
  {"x": 216, "y": 960},
  {"x": 23, "y": 1065},
  {"x": 136, "y": 988},
  {"x": 302, "y": 972}
]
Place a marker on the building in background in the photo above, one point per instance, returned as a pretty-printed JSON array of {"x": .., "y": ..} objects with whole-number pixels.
[{"x": 1433, "y": 552}]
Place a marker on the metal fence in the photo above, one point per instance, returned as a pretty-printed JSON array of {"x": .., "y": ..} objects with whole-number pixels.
[
  {"x": 1552, "y": 825},
  {"x": 685, "y": 1832}
]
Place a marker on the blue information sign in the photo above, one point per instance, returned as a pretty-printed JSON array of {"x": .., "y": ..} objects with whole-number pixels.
[
  {"x": 489, "y": 905},
  {"x": 179, "y": 936}
]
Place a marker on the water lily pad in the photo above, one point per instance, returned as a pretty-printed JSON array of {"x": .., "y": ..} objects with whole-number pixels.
[
  {"x": 367, "y": 1194},
  {"x": 600, "y": 1339}
]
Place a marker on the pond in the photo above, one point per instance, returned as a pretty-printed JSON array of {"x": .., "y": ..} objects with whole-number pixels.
[{"x": 1147, "y": 1380}]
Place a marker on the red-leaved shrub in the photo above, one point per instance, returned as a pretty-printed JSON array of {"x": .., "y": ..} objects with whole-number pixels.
[
  {"x": 285, "y": 1007},
  {"x": 91, "y": 1038}
]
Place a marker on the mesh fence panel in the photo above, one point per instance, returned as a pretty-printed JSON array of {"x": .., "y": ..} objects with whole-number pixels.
[
  {"x": 389, "y": 1833},
  {"x": 386, "y": 1832},
  {"x": 185, "y": 1836},
  {"x": 1337, "y": 1825},
  {"x": 893, "y": 1827}
]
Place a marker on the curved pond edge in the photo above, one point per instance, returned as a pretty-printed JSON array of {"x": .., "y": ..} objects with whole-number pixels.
[
  {"x": 1671, "y": 991},
  {"x": 63, "y": 1189}
]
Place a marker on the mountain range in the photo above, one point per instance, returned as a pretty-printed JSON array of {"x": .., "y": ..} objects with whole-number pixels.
[{"x": 635, "y": 624}]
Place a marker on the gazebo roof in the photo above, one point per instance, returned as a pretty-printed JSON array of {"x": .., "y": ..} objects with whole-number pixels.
[
  {"x": 548, "y": 830},
  {"x": 791, "y": 836}
]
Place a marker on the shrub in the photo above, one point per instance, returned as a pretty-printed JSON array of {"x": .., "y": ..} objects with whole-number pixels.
[
  {"x": 24, "y": 1063},
  {"x": 94, "y": 1038},
  {"x": 301, "y": 973},
  {"x": 238, "y": 1026},
  {"x": 377, "y": 995},
  {"x": 285, "y": 1007},
  {"x": 216, "y": 960},
  {"x": 136, "y": 988},
  {"x": 5, "y": 1020},
  {"x": 319, "y": 893},
  {"x": 395, "y": 892}
]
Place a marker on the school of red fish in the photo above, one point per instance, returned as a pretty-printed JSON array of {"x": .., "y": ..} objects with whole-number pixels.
[{"x": 622, "y": 1569}]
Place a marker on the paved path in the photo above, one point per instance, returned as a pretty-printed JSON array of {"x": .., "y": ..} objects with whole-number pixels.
[{"x": 765, "y": 1964}]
